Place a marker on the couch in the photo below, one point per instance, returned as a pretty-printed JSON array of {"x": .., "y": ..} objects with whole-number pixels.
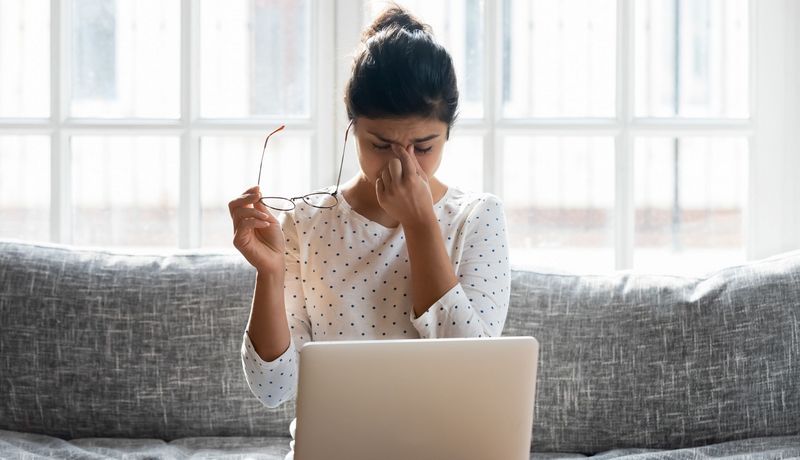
[{"x": 109, "y": 354}]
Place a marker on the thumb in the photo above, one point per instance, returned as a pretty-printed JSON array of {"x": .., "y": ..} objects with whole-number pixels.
[{"x": 258, "y": 204}]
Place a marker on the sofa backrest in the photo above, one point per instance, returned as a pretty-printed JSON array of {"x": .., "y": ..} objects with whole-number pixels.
[
  {"x": 635, "y": 360},
  {"x": 97, "y": 343},
  {"x": 103, "y": 343}
]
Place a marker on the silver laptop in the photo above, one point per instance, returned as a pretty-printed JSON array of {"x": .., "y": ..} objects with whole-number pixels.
[{"x": 464, "y": 399}]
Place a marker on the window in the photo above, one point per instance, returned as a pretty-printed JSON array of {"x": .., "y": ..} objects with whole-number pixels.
[
  {"x": 617, "y": 132},
  {"x": 136, "y": 122}
]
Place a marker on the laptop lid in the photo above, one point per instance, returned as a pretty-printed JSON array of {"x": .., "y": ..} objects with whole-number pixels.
[{"x": 459, "y": 398}]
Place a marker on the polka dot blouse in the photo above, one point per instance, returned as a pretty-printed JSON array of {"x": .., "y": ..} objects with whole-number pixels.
[{"x": 349, "y": 278}]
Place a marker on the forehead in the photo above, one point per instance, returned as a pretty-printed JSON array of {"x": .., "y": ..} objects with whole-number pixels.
[{"x": 401, "y": 128}]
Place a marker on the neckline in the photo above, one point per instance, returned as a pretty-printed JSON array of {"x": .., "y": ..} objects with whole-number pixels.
[{"x": 372, "y": 223}]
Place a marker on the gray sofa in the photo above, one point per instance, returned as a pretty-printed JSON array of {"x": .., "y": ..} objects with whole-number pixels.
[{"x": 108, "y": 354}]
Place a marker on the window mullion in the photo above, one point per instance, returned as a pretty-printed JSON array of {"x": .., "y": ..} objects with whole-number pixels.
[
  {"x": 492, "y": 148},
  {"x": 189, "y": 227},
  {"x": 323, "y": 89},
  {"x": 624, "y": 207},
  {"x": 348, "y": 22},
  {"x": 60, "y": 155}
]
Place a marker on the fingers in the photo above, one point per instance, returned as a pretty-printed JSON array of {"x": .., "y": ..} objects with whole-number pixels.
[
  {"x": 261, "y": 207},
  {"x": 247, "y": 199},
  {"x": 242, "y": 213},
  {"x": 243, "y": 232},
  {"x": 410, "y": 155},
  {"x": 409, "y": 166},
  {"x": 386, "y": 176},
  {"x": 251, "y": 222},
  {"x": 380, "y": 189},
  {"x": 395, "y": 168}
]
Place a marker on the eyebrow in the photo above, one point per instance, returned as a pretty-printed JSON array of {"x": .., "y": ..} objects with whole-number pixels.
[{"x": 421, "y": 139}]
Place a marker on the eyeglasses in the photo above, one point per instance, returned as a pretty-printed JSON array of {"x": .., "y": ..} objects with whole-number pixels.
[{"x": 324, "y": 200}]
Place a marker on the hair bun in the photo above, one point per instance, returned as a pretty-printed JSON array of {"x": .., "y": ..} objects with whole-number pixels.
[{"x": 394, "y": 17}]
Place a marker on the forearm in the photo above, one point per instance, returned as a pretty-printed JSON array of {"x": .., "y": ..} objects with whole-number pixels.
[
  {"x": 432, "y": 273},
  {"x": 268, "y": 327}
]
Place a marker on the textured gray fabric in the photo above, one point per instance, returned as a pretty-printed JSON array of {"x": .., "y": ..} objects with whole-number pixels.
[
  {"x": 106, "y": 344},
  {"x": 35, "y": 446},
  {"x": 662, "y": 361}
]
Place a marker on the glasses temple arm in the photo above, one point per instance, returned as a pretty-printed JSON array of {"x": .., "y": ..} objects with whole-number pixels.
[
  {"x": 341, "y": 162},
  {"x": 264, "y": 150}
]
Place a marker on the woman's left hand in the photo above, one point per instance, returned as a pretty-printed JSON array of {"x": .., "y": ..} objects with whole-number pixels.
[{"x": 403, "y": 190}]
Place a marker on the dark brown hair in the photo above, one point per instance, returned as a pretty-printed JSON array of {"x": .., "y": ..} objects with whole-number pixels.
[{"x": 401, "y": 70}]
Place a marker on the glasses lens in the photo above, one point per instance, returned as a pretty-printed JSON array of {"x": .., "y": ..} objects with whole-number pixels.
[
  {"x": 321, "y": 200},
  {"x": 275, "y": 202}
]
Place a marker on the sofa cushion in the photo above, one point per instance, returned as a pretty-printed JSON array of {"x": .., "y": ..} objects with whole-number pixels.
[
  {"x": 27, "y": 445},
  {"x": 107, "y": 344},
  {"x": 650, "y": 361}
]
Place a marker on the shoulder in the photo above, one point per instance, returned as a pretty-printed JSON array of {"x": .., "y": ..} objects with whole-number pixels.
[{"x": 473, "y": 202}]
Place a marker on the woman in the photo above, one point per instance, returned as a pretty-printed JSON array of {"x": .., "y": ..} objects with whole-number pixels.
[{"x": 402, "y": 255}]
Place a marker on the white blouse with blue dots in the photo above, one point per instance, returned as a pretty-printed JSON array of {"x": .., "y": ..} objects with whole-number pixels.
[{"x": 348, "y": 278}]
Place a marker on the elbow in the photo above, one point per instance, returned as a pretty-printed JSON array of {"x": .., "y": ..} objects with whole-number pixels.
[
  {"x": 269, "y": 395},
  {"x": 491, "y": 331},
  {"x": 492, "y": 328},
  {"x": 272, "y": 403},
  {"x": 268, "y": 398}
]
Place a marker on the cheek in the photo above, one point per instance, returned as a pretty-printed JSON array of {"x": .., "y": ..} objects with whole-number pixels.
[
  {"x": 371, "y": 165},
  {"x": 368, "y": 161},
  {"x": 429, "y": 163}
]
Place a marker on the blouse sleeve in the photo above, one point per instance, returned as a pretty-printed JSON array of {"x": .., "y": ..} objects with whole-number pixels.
[
  {"x": 477, "y": 305},
  {"x": 275, "y": 382}
]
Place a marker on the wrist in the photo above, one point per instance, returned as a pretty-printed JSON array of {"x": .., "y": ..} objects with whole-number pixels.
[
  {"x": 424, "y": 221},
  {"x": 270, "y": 277}
]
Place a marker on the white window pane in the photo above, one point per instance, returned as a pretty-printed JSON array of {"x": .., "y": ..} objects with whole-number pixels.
[
  {"x": 691, "y": 58},
  {"x": 458, "y": 26},
  {"x": 558, "y": 58},
  {"x": 125, "y": 59},
  {"x": 125, "y": 190},
  {"x": 24, "y": 58},
  {"x": 25, "y": 187},
  {"x": 559, "y": 199},
  {"x": 690, "y": 195},
  {"x": 229, "y": 166},
  {"x": 255, "y": 58},
  {"x": 462, "y": 163}
]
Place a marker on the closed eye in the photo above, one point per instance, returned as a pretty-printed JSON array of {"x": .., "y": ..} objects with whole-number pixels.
[{"x": 387, "y": 146}]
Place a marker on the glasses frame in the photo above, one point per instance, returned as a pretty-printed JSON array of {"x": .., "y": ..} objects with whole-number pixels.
[{"x": 290, "y": 201}]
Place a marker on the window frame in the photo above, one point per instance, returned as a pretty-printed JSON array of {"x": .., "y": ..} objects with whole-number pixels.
[
  {"x": 769, "y": 226},
  {"x": 190, "y": 127},
  {"x": 624, "y": 127}
]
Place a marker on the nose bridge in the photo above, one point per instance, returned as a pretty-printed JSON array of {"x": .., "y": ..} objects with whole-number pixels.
[{"x": 403, "y": 145}]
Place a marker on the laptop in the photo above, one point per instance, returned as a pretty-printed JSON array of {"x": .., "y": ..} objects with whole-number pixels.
[{"x": 454, "y": 398}]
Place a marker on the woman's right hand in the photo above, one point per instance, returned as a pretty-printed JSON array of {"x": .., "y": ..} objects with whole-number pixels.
[{"x": 256, "y": 233}]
